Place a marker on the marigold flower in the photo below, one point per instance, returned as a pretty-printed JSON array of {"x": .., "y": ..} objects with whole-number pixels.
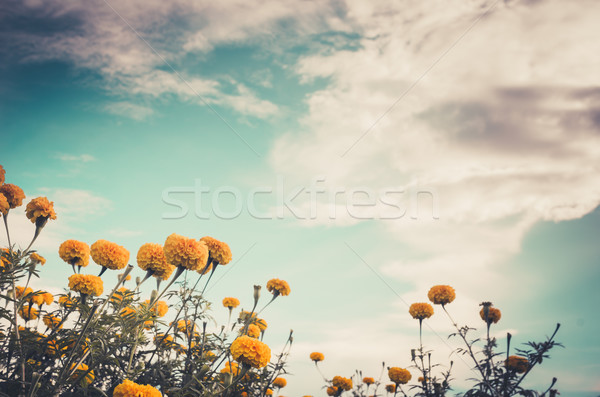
[
  {"x": 316, "y": 356},
  {"x": 342, "y": 383},
  {"x": 279, "y": 382},
  {"x": 368, "y": 380},
  {"x": 399, "y": 375},
  {"x": 86, "y": 284},
  {"x": 278, "y": 287},
  {"x": 4, "y": 205},
  {"x": 127, "y": 312},
  {"x": 441, "y": 294},
  {"x": 260, "y": 323},
  {"x": 231, "y": 368},
  {"x": 29, "y": 312},
  {"x": 151, "y": 257},
  {"x": 22, "y": 291},
  {"x": 40, "y": 208},
  {"x": 66, "y": 302},
  {"x": 132, "y": 389},
  {"x": 245, "y": 315},
  {"x": 161, "y": 339},
  {"x": 219, "y": 251},
  {"x": 75, "y": 253},
  {"x": 120, "y": 294},
  {"x": 186, "y": 326},
  {"x": 186, "y": 252},
  {"x": 421, "y": 311},
  {"x": 253, "y": 331},
  {"x": 230, "y": 302},
  {"x": 37, "y": 259},
  {"x": 52, "y": 322},
  {"x": 517, "y": 363},
  {"x": 109, "y": 255},
  {"x": 250, "y": 351},
  {"x": 269, "y": 392},
  {"x": 14, "y": 194},
  {"x": 160, "y": 308},
  {"x": 332, "y": 391},
  {"x": 493, "y": 315},
  {"x": 40, "y": 299},
  {"x": 422, "y": 379},
  {"x": 87, "y": 379},
  {"x": 391, "y": 388},
  {"x": 54, "y": 348}
]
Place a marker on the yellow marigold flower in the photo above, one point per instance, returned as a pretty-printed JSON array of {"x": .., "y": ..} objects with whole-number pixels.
[
  {"x": 219, "y": 251},
  {"x": 421, "y": 311},
  {"x": 29, "y": 312},
  {"x": 316, "y": 356},
  {"x": 40, "y": 299},
  {"x": 22, "y": 291},
  {"x": 38, "y": 208},
  {"x": 4, "y": 205},
  {"x": 127, "y": 312},
  {"x": 109, "y": 255},
  {"x": 399, "y": 375},
  {"x": 14, "y": 194},
  {"x": 87, "y": 379},
  {"x": 517, "y": 363},
  {"x": 86, "y": 284},
  {"x": 120, "y": 294},
  {"x": 65, "y": 302},
  {"x": 186, "y": 252},
  {"x": 160, "y": 308},
  {"x": 441, "y": 294},
  {"x": 231, "y": 368},
  {"x": 132, "y": 389},
  {"x": 269, "y": 392},
  {"x": 245, "y": 315},
  {"x": 493, "y": 315},
  {"x": 280, "y": 382},
  {"x": 186, "y": 326},
  {"x": 230, "y": 302},
  {"x": 75, "y": 253},
  {"x": 2, "y": 175},
  {"x": 37, "y": 259},
  {"x": 250, "y": 351},
  {"x": 151, "y": 257},
  {"x": 391, "y": 388},
  {"x": 52, "y": 322},
  {"x": 368, "y": 380},
  {"x": 342, "y": 383},
  {"x": 260, "y": 323},
  {"x": 278, "y": 287},
  {"x": 253, "y": 331},
  {"x": 165, "y": 341},
  {"x": 332, "y": 391}
]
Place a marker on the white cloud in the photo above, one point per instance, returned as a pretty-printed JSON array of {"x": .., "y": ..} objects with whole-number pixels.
[
  {"x": 128, "y": 109},
  {"x": 83, "y": 158}
]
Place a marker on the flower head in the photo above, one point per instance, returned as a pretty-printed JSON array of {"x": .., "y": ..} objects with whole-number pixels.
[
  {"x": 75, "y": 253},
  {"x": 160, "y": 308},
  {"x": 250, "y": 351},
  {"x": 421, "y": 311},
  {"x": 82, "y": 371},
  {"x": 185, "y": 252},
  {"x": 132, "y": 389},
  {"x": 37, "y": 259},
  {"x": 493, "y": 315},
  {"x": 368, "y": 380},
  {"x": 109, "y": 255},
  {"x": 316, "y": 357},
  {"x": 4, "y": 205},
  {"x": 66, "y": 302},
  {"x": 342, "y": 383},
  {"x": 278, "y": 287},
  {"x": 52, "y": 322},
  {"x": 441, "y": 294},
  {"x": 219, "y": 251},
  {"x": 332, "y": 391},
  {"x": 151, "y": 257},
  {"x": 29, "y": 312},
  {"x": 260, "y": 323},
  {"x": 391, "y": 388},
  {"x": 253, "y": 331},
  {"x": 86, "y": 284},
  {"x": 40, "y": 209},
  {"x": 22, "y": 291},
  {"x": 231, "y": 368},
  {"x": 279, "y": 382},
  {"x": 14, "y": 194},
  {"x": 517, "y": 363},
  {"x": 230, "y": 302},
  {"x": 399, "y": 375}
]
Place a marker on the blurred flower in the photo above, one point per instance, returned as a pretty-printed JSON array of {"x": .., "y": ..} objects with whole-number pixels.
[
  {"x": 421, "y": 311},
  {"x": 245, "y": 315},
  {"x": 260, "y": 323},
  {"x": 332, "y": 391},
  {"x": 399, "y": 375},
  {"x": 151, "y": 257},
  {"x": 22, "y": 291},
  {"x": 52, "y": 322},
  {"x": 40, "y": 299},
  {"x": 160, "y": 308},
  {"x": 231, "y": 368},
  {"x": 54, "y": 348},
  {"x": 40, "y": 209},
  {"x": 185, "y": 252},
  {"x": 109, "y": 255},
  {"x": 14, "y": 194},
  {"x": 250, "y": 351},
  {"x": 517, "y": 363},
  {"x": 230, "y": 302},
  {"x": 127, "y": 312},
  {"x": 29, "y": 312},
  {"x": 441, "y": 294},
  {"x": 279, "y": 382},
  {"x": 269, "y": 392},
  {"x": 342, "y": 383},
  {"x": 278, "y": 287},
  {"x": 391, "y": 388},
  {"x": 164, "y": 341},
  {"x": 131, "y": 389},
  {"x": 120, "y": 294},
  {"x": 493, "y": 315},
  {"x": 87, "y": 379},
  {"x": 86, "y": 284},
  {"x": 253, "y": 331},
  {"x": 4, "y": 205},
  {"x": 421, "y": 379},
  {"x": 37, "y": 259},
  {"x": 219, "y": 251},
  {"x": 66, "y": 302},
  {"x": 186, "y": 326},
  {"x": 316, "y": 356},
  {"x": 75, "y": 253}
]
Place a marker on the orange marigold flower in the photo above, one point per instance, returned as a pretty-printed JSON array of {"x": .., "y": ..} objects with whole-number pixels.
[
  {"x": 493, "y": 315},
  {"x": 421, "y": 311},
  {"x": 422, "y": 379},
  {"x": 160, "y": 308},
  {"x": 109, "y": 255},
  {"x": 186, "y": 326},
  {"x": 260, "y": 323},
  {"x": 86, "y": 284},
  {"x": 253, "y": 331},
  {"x": 245, "y": 315},
  {"x": 127, "y": 312},
  {"x": 75, "y": 253},
  {"x": 231, "y": 368},
  {"x": 66, "y": 301},
  {"x": 40, "y": 208},
  {"x": 278, "y": 287},
  {"x": 399, "y": 375},
  {"x": 219, "y": 251},
  {"x": 269, "y": 392},
  {"x": 22, "y": 291},
  {"x": 4, "y": 205},
  {"x": 441, "y": 294},
  {"x": 120, "y": 294},
  {"x": 517, "y": 363},
  {"x": 368, "y": 380},
  {"x": 250, "y": 351},
  {"x": 37, "y": 259},
  {"x": 80, "y": 371},
  {"x": 316, "y": 356},
  {"x": 161, "y": 339},
  {"x": 342, "y": 383},
  {"x": 186, "y": 252},
  {"x": 230, "y": 302},
  {"x": 391, "y": 388},
  {"x": 151, "y": 257},
  {"x": 41, "y": 298},
  {"x": 332, "y": 391},
  {"x": 132, "y": 389},
  {"x": 29, "y": 312},
  {"x": 279, "y": 382},
  {"x": 52, "y": 322},
  {"x": 14, "y": 194}
]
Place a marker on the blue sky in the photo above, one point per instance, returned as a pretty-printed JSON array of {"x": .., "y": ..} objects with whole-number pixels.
[{"x": 483, "y": 113}]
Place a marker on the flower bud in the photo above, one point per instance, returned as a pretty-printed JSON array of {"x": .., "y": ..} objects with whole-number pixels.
[{"x": 256, "y": 293}]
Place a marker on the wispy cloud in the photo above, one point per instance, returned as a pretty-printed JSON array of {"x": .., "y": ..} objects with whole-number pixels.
[
  {"x": 128, "y": 109},
  {"x": 82, "y": 158}
]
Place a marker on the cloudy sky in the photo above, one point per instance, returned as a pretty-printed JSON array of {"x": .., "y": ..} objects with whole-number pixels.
[{"x": 362, "y": 150}]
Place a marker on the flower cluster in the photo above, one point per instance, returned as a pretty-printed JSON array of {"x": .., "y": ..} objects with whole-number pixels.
[
  {"x": 230, "y": 302},
  {"x": 441, "y": 294},
  {"x": 493, "y": 315},
  {"x": 250, "y": 351},
  {"x": 14, "y": 195},
  {"x": 186, "y": 252},
  {"x": 86, "y": 284},
  {"x": 109, "y": 255},
  {"x": 399, "y": 376},
  {"x": 40, "y": 209},
  {"x": 132, "y": 389},
  {"x": 342, "y": 383},
  {"x": 316, "y": 357},
  {"x": 151, "y": 257},
  {"x": 75, "y": 253},
  {"x": 219, "y": 251},
  {"x": 420, "y": 311},
  {"x": 278, "y": 287}
]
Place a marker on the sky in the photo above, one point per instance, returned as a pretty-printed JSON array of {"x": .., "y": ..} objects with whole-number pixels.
[{"x": 363, "y": 151}]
